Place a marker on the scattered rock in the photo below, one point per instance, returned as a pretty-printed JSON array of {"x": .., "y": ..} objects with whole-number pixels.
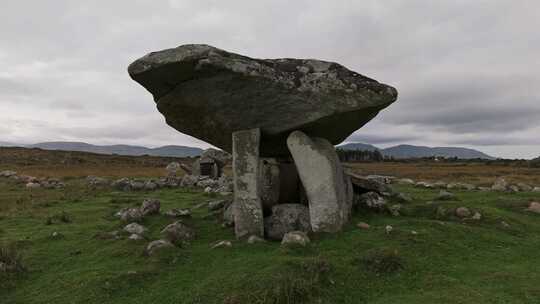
[
  {"x": 536, "y": 189},
  {"x": 463, "y": 212},
  {"x": 513, "y": 188},
  {"x": 189, "y": 180},
  {"x": 414, "y": 232},
  {"x": 176, "y": 212},
  {"x": 255, "y": 239},
  {"x": 137, "y": 185},
  {"x": 505, "y": 224},
  {"x": 402, "y": 197},
  {"x": 57, "y": 235},
  {"x": 388, "y": 229},
  {"x": 130, "y": 215},
  {"x": 178, "y": 233},
  {"x": 295, "y": 238},
  {"x": 534, "y": 207},
  {"x": 362, "y": 184},
  {"x": 94, "y": 181},
  {"x": 228, "y": 216},
  {"x": 135, "y": 237},
  {"x": 150, "y": 207},
  {"x": 8, "y": 173},
  {"x": 123, "y": 184},
  {"x": 461, "y": 186},
  {"x": 217, "y": 205},
  {"x": 445, "y": 196},
  {"x": 135, "y": 228},
  {"x": 286, "y": 218},
  {"x": 405, "y": 181},
  {"x": 394, "y": 209},
  {"x": 500, "y": 185},
  {"x": 477, "y": 216},
  {"x": 150, "y": 186},
  {"x": 172, "y": 168},
  {"x": 371, "y": 200},
  {"x": 32, "y": 185},
  {"x": 524, "y": 187},
  {"x": 425, "y": 185},
  {"x": 440, "y": 185},
  {"x": 222, "y": 244},
  {"x": 157, "y": 245},
  {"x": 363, "y": 225},
  {"x": 381, "y": 178}
]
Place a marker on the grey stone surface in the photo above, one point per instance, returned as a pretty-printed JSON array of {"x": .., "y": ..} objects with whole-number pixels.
[
  {"x": 295, "y": 238},
  {"x": 500, "y": 184},
  {"x": 321, "y": 174},
  {"x": 157, "y": 245},
  {"x": 362, "y": 184},
  {"x": 135, "y": 228},
  {"x": 209, "y": 93},
  {"x": 247, "y": 206},
  {"x": 286, "y": 218},
  {"x": 150, "y": 206},
  {"x": 178, "y": 233}
]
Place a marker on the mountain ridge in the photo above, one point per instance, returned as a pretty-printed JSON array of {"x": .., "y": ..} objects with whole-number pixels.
[
  {"x": 131, "y": 150},
  {"x": 412, "y": 151}
]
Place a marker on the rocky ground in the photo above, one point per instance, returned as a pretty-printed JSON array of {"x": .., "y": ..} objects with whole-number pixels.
[{"x": 111, "y": 240}]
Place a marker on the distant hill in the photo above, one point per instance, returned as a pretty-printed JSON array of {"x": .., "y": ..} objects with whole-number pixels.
[
  {"x": 358, "y": 146},
  {"x": 8, "y": 144},
  {"x": 410, "y": 151},
  {"x": 170, "y": 151}
]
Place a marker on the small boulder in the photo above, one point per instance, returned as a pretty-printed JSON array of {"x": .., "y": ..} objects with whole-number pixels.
[
  {"x": 463, "y": 212},
  {"x": 445, "y": 196},
  {"x": 7, "y": 173},
  {"x": 217, "y": 205},
  {"x": 178, "y": 233},
  {"x": 536, "y": 189},
  {"x": 172, "y": 168},
  {"x": 402, "y": 197},
  {"x": 222, "y": 244},
  {"x": 32, "y": 185},
  {"x": 500, "y": 185},
  {"x": 135, "y": 228},
  {"x": 157, "y": 245},
  {"x": 137, "y": 185},
  {"x": 150, "y": 207},
  {"x": 524, "y": 187},
  {"x": 405, "y": 181},
  {"x": 477, "y": 216},
  {"x": 394, "y": 209},
  {"x": 295, "y": 238},
  {"x": 123, "y": 184},
  {"x": 513, "y": 188},
  {"x": 388, "y": 229},
  {"x": 371, "y": 200},
  {"x": 189, "y": 180},
  {"x": 255, "y": 239},
  {"x": 150, "y": 186},
  {"x": 178, "y": 213},
  {"x": 425, "y": 185},
  {"x": 534, "y": 207},
  {"x": 363, "y": 225},
  {"x": 286, "y": 218},
  {"x": 130, "y": 215},
  {"x": 135, "y": 237}
]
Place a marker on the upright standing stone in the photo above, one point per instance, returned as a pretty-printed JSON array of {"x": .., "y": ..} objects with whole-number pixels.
[
  {"x": 323, "y": 179},
  {"x": 247, "y": 207}
]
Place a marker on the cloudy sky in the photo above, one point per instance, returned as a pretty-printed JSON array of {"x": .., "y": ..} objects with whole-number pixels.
[{"x": 468, "y": 72}]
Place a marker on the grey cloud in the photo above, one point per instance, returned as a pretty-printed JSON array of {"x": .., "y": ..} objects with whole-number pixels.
[{"x": 466, "y": 70}]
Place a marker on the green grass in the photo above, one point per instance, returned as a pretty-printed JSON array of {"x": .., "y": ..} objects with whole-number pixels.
[{"x": 448, "y": 261}]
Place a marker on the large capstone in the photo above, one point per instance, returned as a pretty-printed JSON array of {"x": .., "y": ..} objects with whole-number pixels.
[{"x": 209, "y": 93}]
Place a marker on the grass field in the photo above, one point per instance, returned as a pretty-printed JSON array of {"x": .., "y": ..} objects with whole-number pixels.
[{"x": 447, "y": 261}]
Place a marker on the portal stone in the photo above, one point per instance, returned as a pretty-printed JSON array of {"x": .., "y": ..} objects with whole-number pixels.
[
  {"x": 247, "y": 207},
  {"x": 323, "y": 179}
]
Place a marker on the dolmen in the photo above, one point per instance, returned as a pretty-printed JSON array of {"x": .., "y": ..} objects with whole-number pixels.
[{"x": 280, "y": 119}]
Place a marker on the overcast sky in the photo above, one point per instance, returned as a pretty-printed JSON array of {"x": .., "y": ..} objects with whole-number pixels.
[{"x": 467, "y": 72}]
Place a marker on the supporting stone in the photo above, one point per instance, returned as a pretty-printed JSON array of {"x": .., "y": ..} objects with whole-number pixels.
[
  {"x": 322, "y": 175},
  {"x": 278, "y": 182},
  {"x": 247, "y": 207}
]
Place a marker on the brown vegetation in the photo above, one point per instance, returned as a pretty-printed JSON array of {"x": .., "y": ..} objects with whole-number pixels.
[
  {"x": 45, "y": 163},
  {"x": 470, "y": 172}
]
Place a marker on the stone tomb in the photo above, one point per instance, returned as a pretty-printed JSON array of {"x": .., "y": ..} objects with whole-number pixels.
[{"x": 280, "y": 119}]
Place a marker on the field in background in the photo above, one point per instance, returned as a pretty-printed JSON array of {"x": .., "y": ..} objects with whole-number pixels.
[
  {"x": 65, "y": 164},
  {"x": 479, "y": 174}
]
